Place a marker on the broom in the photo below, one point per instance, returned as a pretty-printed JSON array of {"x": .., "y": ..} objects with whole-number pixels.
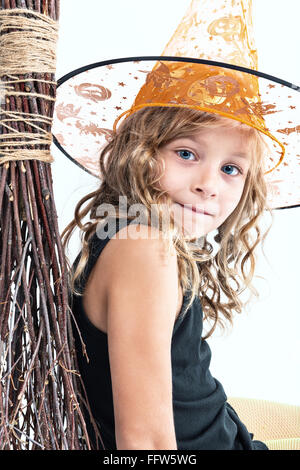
[{"x": 41, "y": 393}]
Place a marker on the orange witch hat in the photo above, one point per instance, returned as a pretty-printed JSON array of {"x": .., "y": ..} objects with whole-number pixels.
[
  {"x": 225, "y": 91},
  {"x": 210, "y": 63}
]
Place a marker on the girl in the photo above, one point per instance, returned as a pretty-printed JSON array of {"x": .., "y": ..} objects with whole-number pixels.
[{"x": 141, "y": 290}]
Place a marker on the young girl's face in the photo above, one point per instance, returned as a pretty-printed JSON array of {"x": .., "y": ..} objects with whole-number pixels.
[{"x": 206, "y": 172}]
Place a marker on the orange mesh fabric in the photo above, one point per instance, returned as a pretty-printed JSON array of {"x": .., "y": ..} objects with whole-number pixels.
[
  {"x": 230, "y": 93},
  {"x": 213, "y": 30}
]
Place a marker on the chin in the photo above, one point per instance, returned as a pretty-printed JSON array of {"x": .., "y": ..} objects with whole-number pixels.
[{"x": 194, "y": 235}]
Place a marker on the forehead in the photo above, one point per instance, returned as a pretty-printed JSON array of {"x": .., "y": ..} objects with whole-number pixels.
[
  {"x": 235, "y": 137},
  {"x": 235, "y": 133}
]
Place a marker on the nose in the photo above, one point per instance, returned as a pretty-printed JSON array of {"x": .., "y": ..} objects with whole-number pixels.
[{"x": 206, "y": 182}]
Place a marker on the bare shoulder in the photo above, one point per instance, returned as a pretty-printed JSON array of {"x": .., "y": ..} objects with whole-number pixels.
[
  {"x": 137, "y": 242},
  {"x": 138, "y": 263}
]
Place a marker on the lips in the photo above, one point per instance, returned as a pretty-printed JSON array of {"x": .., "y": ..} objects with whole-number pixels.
[{"x": 195, "y": 209}]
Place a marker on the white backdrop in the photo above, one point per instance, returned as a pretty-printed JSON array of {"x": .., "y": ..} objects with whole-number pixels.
[{"x": 259, "y": 358}]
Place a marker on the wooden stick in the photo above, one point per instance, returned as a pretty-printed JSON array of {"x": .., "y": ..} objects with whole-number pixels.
[{"x": 40, "y": 396}]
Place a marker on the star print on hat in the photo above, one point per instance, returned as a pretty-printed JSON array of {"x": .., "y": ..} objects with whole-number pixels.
[{"x": 210, "y": 64}]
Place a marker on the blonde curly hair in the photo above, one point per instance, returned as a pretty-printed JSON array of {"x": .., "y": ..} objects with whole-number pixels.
[{"x": 128, "y": 166}]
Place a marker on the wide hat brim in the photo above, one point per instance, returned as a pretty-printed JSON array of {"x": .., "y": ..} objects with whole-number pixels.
[{"x": 91, "y": 102}]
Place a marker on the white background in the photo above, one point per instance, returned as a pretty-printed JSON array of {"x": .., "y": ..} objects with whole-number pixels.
[{"x": 259, "y": 358}]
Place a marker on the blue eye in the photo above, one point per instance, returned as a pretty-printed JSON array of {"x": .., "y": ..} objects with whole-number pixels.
[
  {"x": 184, "y": 154},
  {"x": 229, "y": 168}
]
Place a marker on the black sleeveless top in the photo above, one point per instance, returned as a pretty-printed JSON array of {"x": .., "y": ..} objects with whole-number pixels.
[{"x": 202, "y": 417}]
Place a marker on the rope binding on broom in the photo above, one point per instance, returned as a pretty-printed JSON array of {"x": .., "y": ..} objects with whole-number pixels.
[{"x": 27, "y": 45}]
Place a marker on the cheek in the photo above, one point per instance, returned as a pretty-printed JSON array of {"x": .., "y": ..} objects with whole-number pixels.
[
  {"x": 170, "y": 180},
  {"x": 164, "y": 183},
  {"x": 232, "y": 197}
]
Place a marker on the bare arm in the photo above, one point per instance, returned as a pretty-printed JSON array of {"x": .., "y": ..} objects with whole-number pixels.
[{"x": 142, "y": 301}]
